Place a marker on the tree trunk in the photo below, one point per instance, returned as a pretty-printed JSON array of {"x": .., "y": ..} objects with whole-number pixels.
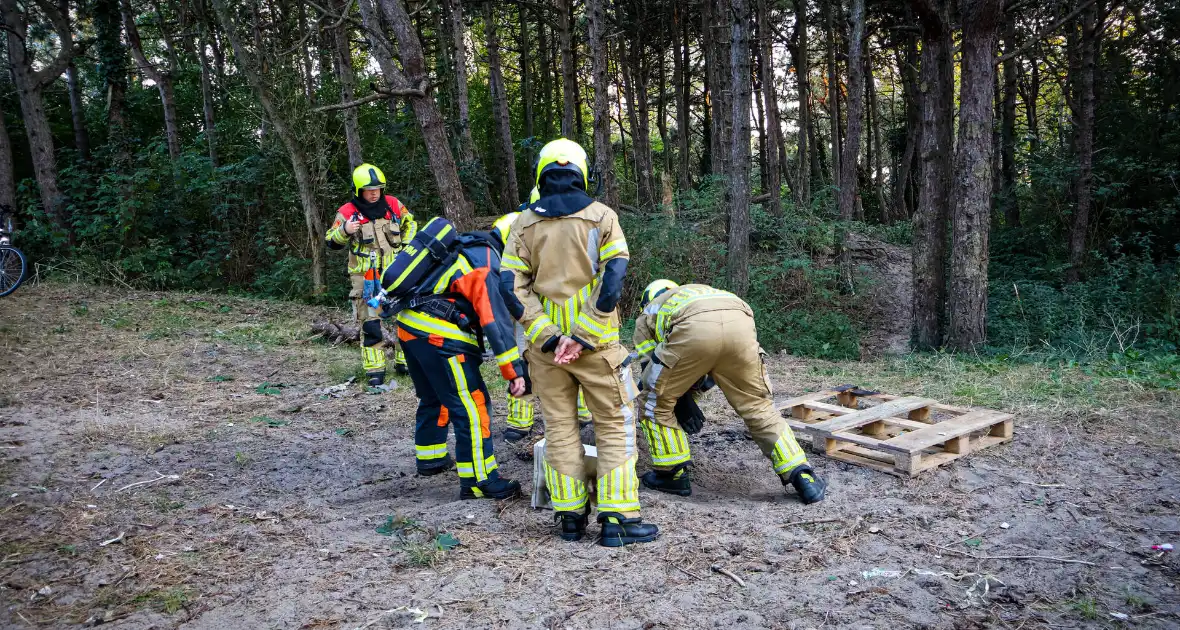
[
  {"x": 249, "y": 67},
  {"x": 342, "y": 59},
  {"x": 682, "y": 78},
  {"x": 7, "y": 173},
  {"x": 207, "y": 98},
  {"x": 526, "y": 71},
  {"x": 967, "y": 303},
  {"x": 30, "y": 84},
  {"x": 381, "y": 48},
  {"x": 468, "y": 161},
  {"x": 546, "y": 58},
  {"x": 662, "y": 115},
  {"x": 807, "y": 163},
  {"x": 856, "y": 81},
  {"x": 112, "y": 65},
  {"x": 456, "y": 207},
  {"x": 509, "y": 191},
  {"x": 875, "y": 137},
  {"x": 636, "y": 87},
  {"x": 718, "y": 23},
  {"x": 569, "y": 78},
  {"x": 833, "y": 90},
  {"x": 1084, "y": 139},
  {"x": 1008, "y": 130},
  {"x": 162, "y": 79},
  {"x": 738, "y": 261},
  {"x": 604, "y": 154},
  {"x": 770, "y": 104},
  {"x": 1030, "y": 104},
  {"x": 937, "y": 82},
  {"x": 77, "y": 113},
  {"x": 902, "y": 206}
]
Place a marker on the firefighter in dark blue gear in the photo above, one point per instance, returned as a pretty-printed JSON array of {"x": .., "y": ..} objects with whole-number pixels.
[{"x": 443, "y": 346}]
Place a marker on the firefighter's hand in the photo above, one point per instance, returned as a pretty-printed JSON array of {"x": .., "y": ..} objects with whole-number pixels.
[
  {"x": 517, "y": 387},
  {"x": 352, "y": 225},
  {"x": 688, "y": 414},
  {"x": 568, "y": 350}
]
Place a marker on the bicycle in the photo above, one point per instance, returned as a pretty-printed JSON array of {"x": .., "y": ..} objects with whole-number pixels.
[{"x": 13, "y": 266}]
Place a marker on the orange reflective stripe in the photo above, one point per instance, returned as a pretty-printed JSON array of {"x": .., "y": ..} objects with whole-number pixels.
[
  {"x": 462, "y": 358},
  {"x": 444, "y": 416},
  {"x": 435, "y": 340},
  {"x": 482, "y": 406},
  {"x": 404, "y": 335}
]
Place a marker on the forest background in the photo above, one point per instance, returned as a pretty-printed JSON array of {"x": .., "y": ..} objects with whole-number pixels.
[{"x": 1026, "y": 153}]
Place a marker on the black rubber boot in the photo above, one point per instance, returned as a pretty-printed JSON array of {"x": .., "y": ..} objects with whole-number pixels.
[
  {"x": 400, "y": 369},
  {"x": 618, "y": 531},
  {"x": 675, "y": 481},
  {"x": 491, "y": 489},
  {"x": 513, "y": 434},
  {"x": 809, "y": 486},
  {"x": 573, "y": 525},
  {"x": 376, "y": 379},
  {"x": 436, "y": 467}
]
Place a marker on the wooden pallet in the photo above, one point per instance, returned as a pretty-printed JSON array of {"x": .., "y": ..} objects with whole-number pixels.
[{"x": 899, "y": 435}]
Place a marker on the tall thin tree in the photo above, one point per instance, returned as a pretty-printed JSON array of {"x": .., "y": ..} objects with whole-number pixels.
[
  {"x": 738, "y": 180},
  {"x": 967, "y": 303},
  {"x": 770, "y": 105},
  {"x": 604, "y": 155},
  {"x": 509, "y": 191},
  {"x": 932, "y": 214},
  {"x": 161, "y": 77}
]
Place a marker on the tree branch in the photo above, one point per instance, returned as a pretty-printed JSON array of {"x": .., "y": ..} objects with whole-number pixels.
[
  {"x": 1044, "y": 33},
  {"x": 136, "y": 46},
  {"x": 61, "y": 24},
  {"x": 379, "y": 94}
]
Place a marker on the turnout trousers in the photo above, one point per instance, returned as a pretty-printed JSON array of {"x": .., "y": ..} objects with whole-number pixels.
[
  {"x": 521, "y": 412},
  {"x": 724, "y": 344},
  {"x": 451, "y": 392},
  {"x": 609, "y": 390},
  {"x": 372, "y": 339}
]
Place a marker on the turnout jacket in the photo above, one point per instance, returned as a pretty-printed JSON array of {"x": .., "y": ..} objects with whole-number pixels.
[
  {"x": 378, "y": 239},
  {"x": 659, "y": 318},
  {"x": 567, "y": 272},
  {"x": 473, "y": 278}
]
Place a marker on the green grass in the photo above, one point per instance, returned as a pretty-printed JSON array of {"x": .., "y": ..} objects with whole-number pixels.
[
  {"x": 260, "y": 335},
  {"x": 342, "y": 370},
  {"x": 1085, "y": 607},
  {"x": 1003, "y": 382}
]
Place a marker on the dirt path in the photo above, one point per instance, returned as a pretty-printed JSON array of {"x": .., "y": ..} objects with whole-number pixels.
[{"x": 259, "y": 496}]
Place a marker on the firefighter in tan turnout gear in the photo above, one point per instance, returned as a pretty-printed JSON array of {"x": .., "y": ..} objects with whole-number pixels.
[
  {"x": 521, "y": 413},
  {"x": 373, "y": 226},
  {"x": 568, "y": 257},
  {"x": 689, "y": 337}
]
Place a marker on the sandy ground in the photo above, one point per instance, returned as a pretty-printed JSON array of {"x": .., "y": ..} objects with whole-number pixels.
[{"x": 173, "y": 461}]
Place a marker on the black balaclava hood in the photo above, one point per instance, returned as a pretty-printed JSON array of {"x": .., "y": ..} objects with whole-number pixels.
[
  {"x": 373, "y": 211},
  {"x": 561, "y": 194}
]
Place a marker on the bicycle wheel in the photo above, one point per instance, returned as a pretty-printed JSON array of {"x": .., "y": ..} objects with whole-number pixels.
[{"x": 12, "y": 269}]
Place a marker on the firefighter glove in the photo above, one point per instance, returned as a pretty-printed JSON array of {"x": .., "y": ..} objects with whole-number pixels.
[{"x": 688, "y": 414}]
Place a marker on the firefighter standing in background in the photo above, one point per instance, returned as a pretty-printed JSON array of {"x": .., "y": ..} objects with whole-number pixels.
[
  {"x": 683, "y": 335},
  {"x": 568, "y": 256},
  {"x": 373, "y": 226}
]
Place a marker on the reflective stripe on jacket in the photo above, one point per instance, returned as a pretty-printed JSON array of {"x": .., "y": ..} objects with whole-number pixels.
[{"x": 475, "y": 275}]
